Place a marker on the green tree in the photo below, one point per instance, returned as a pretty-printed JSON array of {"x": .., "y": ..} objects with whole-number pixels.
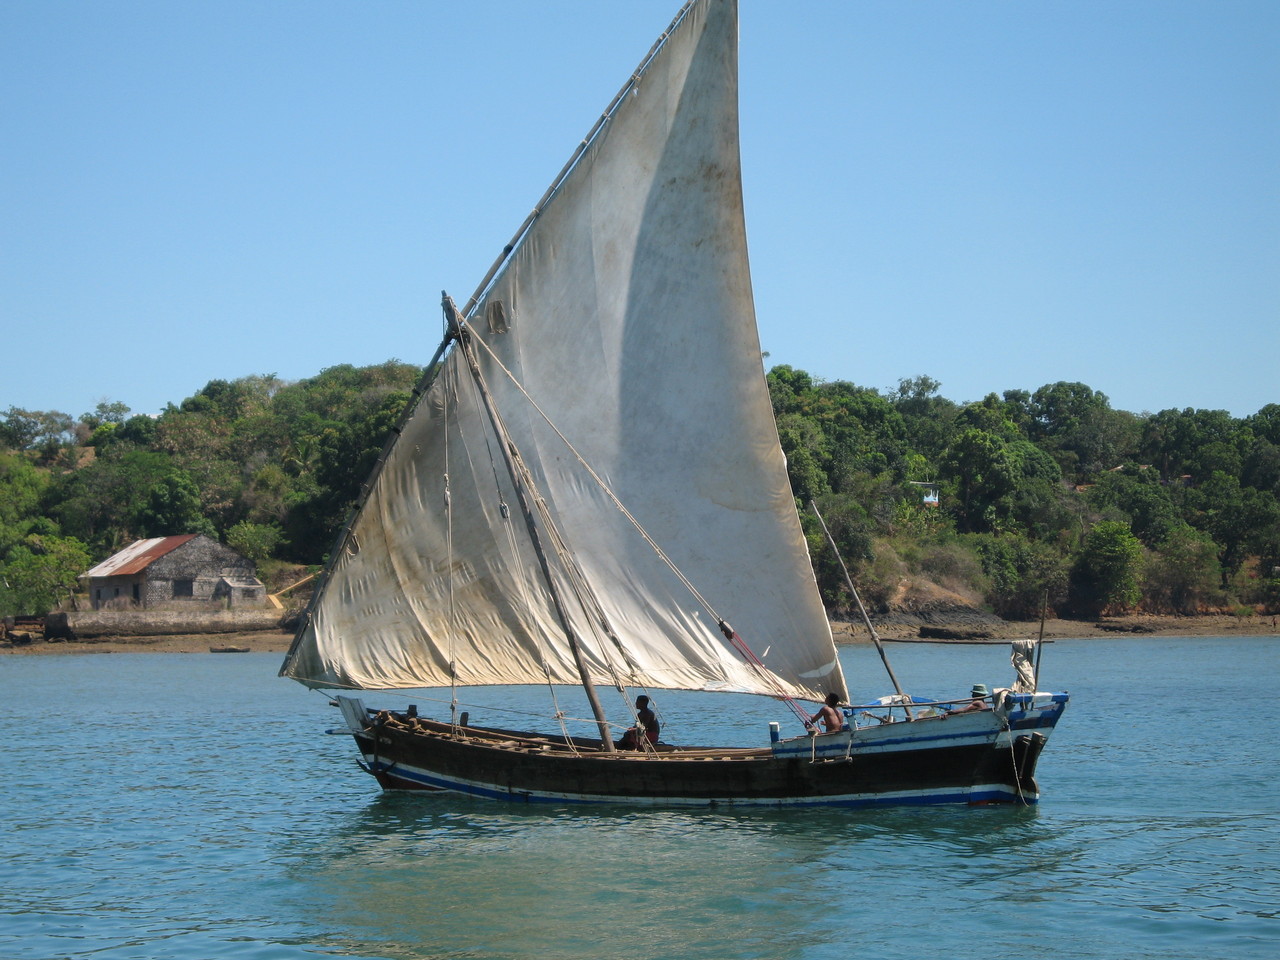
[
  {"x": 39, "y": 573},
  {"x": 22, "y": 488},
  {"x": 173, "y": 507},
  {"x": 98, "y": 504},
  {"x": 47, "y": 430},
  {"x": 257, "y": 541},
  {"x": 1077, "y": 426},
  {"x": 1023, "y": 575},
  {"x": 346, "y": 454},
  {"x": 1261, "y": 469},
  {"x": 1241, "y": 520},
  {"x": 786, "y": 388},
  {"x": 1107, "y": 575},
  {"x": 1138, "y": 495},
  {"x": 266, "y": 497},
  {"x": 1183, "y": 574},
  {"x": 998, "y": 482},
  {"x": 804, "y": 446},
  {"x": 979, "y": 474},
  {"x": 1186, "y": 442},
  {"x": 988, "y": 415},
  {"x": 928, "y": 419},
  {"x": 852, "y": 529},
  {"x": 139, "y": 430},
  {"x": 107, "y": 411}
]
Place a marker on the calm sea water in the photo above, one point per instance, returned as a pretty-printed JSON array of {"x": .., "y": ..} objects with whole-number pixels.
[{"x": 175, "y": 806}]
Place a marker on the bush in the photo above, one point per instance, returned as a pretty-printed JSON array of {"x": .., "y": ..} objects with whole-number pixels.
[
  {"x": 1183, "y": 574},
  {"x": 1024, "y": 575},
  {"x": 39, "y": 573},
  {"x": 1106, "y": 574},
  {"x": 257, "y": 541}
]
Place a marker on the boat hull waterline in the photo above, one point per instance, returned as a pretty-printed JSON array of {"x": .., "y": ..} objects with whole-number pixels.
[{"x": 975, "y": 758}]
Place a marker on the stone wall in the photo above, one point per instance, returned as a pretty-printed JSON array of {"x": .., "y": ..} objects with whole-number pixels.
[
  {"x": 202, "y": 562},
  {"x": 157, "y": 623}
]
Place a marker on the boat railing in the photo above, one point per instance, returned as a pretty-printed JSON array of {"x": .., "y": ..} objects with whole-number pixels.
[{"x": 896, "y": 709}]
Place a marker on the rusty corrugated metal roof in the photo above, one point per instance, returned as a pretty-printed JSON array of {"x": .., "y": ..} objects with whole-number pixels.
[{"x": 137, "y": 556}]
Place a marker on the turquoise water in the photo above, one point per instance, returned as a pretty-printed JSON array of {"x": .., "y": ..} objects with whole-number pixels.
[{"x": 175, "y": 806}]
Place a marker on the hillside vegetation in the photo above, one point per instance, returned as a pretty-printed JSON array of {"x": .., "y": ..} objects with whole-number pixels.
[{"x": 1049, "y": 496}]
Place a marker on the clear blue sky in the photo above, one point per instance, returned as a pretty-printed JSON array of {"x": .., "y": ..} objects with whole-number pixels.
[{"x": 999, "y": 195}]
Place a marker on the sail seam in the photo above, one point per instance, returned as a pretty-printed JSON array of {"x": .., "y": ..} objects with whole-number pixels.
[{"x": 526, "y": 490}]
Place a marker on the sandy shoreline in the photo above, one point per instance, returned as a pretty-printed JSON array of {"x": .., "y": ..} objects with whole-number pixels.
[
  {"x": 1213, "y": 625},
  {"x": 257, "y": 641},
  {"x": 276, "y": 641}
]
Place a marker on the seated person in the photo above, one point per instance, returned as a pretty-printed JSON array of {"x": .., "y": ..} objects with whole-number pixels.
[
  {"x": 646, "y": 726},
  {"x": 829, "y": 715},
  {"x": 979, "y": 701}
]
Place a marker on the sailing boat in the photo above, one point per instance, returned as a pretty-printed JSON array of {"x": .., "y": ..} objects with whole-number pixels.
[{"x": 587, "y": 489}]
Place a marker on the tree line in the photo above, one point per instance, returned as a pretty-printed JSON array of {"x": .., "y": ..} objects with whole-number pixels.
[
  {"x": 268, "y": 467},
  {"x": 1046, "y": 497}
]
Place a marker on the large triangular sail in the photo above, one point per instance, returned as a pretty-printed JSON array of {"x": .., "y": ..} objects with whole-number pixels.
[{"x": 619, "y": 331}]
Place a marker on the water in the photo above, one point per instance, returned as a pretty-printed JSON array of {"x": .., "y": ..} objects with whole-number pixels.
[{"x": 175, "y": 806}]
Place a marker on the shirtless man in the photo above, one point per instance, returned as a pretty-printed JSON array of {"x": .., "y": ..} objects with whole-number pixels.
[
  {"x": 979, "y": 701},
  {"x": 829, "y": 715}
]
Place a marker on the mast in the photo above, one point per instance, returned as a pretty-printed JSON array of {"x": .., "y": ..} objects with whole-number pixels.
[{"x": 522, "y": 481}]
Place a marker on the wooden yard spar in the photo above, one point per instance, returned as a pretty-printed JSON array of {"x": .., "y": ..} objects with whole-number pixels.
[{"x": 522, "y": 482}]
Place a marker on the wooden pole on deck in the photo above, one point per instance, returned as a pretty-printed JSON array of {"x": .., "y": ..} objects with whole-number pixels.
[
  {"x": 521, "y": 481},
  {"x": 1044, "y": 609},
  {"x": 875, "y": 637}
]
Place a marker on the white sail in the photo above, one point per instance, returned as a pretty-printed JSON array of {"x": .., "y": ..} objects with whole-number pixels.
[{"x": 625, "y": 313}]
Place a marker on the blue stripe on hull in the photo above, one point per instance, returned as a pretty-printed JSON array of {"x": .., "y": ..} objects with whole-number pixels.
[
  {"x": 396, "y": 776},
  {"x": 966, "y": 758}
]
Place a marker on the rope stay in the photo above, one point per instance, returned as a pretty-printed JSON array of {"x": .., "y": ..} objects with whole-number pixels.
[
  {"x": 514, "y": 551},
  {"x": 730, "y": 634},
  {"x": 448, "y": 513},
  {"x": 536, "y": 516}
]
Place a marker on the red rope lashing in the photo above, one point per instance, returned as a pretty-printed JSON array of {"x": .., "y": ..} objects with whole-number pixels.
[{"x": 741, "y": 646}]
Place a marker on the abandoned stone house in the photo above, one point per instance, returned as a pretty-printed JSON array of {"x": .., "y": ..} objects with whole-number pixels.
[{"x": 190, "y": 567}]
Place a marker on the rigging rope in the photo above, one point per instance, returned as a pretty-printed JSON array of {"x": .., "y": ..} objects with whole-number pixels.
[
  {"x": 448, "y": 512},
  {"x": 521, "y": 584},
  {"x": 732, "y": 635},
  {"x": 522, "y": 231},
  {"x": 1017, "y": 777}
]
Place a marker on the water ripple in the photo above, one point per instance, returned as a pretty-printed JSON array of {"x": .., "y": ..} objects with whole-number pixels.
[{"x": 197, "y": 812}]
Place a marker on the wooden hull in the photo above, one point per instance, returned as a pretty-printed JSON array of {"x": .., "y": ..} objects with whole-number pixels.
[{"x": 976, "y": 758}]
